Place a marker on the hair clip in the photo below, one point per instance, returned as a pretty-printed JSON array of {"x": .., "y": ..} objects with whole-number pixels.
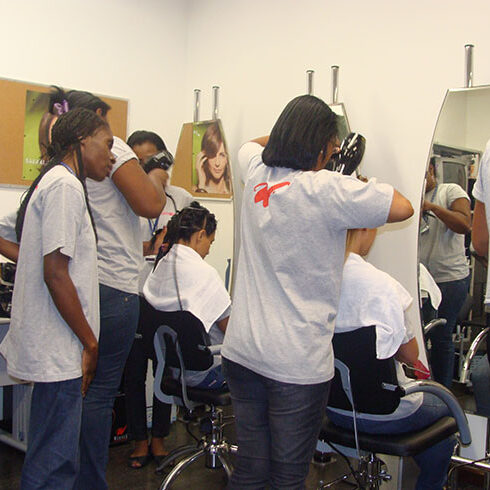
[{"x": 61, "y": 108}]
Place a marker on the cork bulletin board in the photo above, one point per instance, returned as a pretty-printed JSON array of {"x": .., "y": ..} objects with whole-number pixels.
[{"x": 21, "y": 107}]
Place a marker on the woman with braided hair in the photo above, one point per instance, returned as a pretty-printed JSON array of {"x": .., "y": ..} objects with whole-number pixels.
[
  {"x": 54, "y": 327},
  {"x": 182, "y": 280}
]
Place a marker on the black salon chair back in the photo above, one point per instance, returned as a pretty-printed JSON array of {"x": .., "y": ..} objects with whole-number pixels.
[
  {"x": 371, "y": 386},
  {"x": 182, "y": 343}
]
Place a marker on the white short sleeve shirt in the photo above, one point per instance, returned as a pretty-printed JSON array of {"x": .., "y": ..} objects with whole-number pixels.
[{"x": 293, "y": 231}]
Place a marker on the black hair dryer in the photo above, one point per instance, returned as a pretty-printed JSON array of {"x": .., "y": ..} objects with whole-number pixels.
[
  {"x": 350, "y": 155},
  {"x": 163, "y": 160}
]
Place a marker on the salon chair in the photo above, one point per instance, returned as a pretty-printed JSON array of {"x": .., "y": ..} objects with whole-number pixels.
[
  {"x": 181, "y": 343},
  {"x": 363, "y": 383}
]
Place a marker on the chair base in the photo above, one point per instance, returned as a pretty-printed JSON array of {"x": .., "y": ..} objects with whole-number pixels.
[
  {"x": 371, "y": 473},
  {"x": 212, "y": 446}
]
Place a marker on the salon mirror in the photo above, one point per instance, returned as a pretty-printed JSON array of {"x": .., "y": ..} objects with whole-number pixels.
[{"x": 460, "y": 138}]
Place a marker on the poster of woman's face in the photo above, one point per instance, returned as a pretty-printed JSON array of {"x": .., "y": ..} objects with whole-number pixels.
[{"x": 211, "y": 166}]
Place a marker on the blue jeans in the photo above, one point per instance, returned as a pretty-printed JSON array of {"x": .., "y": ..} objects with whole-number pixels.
[
  {"x": 51, "y": 459},
  {"x": 442, "y": 351},
  {"x": 277, "y": 427},
  {"x": 118, "y": 322},
  {"x": 433, "y": 462},
  {"x": 480, "y": 377}
]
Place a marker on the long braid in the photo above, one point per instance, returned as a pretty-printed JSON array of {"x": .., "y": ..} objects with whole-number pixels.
[
  {"x": 67, "y": 132},
  {"x": 82, "y": 179}
]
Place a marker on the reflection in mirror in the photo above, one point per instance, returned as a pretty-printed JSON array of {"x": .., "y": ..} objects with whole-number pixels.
[{"x": 460, "y": 137}]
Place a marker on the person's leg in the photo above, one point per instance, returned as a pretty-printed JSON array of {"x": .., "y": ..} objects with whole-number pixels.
[
  {"x": 249, "y": 398},
  {"x": 480, "y": 377},
  {"x": 118, "y": 322},
  {"x": 135, "y": 395},
  {"x": 295, "y": 417},
  {"x": 442, "y": 350},
  {"x": 51, "y": 459},
  {"x": 160, "y": 424}
]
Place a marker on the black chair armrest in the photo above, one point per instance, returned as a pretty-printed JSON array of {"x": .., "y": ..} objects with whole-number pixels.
[{"x": 449, "y": 399}]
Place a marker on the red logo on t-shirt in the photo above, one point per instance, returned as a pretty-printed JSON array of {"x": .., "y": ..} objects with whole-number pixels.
[{"x": 264, "y": 193}]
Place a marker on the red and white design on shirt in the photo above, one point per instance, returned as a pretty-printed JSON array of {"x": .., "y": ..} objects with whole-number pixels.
[{"x": 263, "y": 192}]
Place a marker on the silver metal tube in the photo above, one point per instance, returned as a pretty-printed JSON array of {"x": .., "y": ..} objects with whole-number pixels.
[
  {"x": 197, "y": 103},
  {"x": 465, "y": 371},
  {"x": 480, "y": 464},
  {"x": 468, "y": 79},
  {"x": 335, "y": 84},
  {"x": 448, "y": 398},
  {"x": 309, "y": 81},
  {"x": 215, "y": 102}
]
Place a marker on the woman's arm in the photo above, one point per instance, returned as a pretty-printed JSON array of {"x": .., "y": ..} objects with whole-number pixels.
[
  {"x": 261, "y": 140},
  {"x": 457, "y": 218},
  {"x": 9, "y": 249},
  {"x": 66, "y": 300},
  {"x": 143, "y": 192},
  {"x": 479, "y": 232},
  {"x": 408, "y": 353},
  {"x": 400, "y": 209},
  {"x": 222, "y": 324}
]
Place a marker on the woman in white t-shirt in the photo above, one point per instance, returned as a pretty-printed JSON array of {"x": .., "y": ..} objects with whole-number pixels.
[
  {"x": 152, "y": 153},
  {"x": 183, "y": 281},
  {"x": 277, "y": 353},
  {"x": 369, "y": 297},
  {"x": 53, "y": 336}
]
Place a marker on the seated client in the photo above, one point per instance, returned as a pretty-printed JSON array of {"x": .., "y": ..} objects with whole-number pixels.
[
  {"x": 371, "y": 297},
  {"x": 182, "y": 280}
]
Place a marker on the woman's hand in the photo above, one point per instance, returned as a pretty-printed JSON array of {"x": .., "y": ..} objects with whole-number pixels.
[
  {"x": 201, "y": 176},
  {"x": 89, "y": 364}
]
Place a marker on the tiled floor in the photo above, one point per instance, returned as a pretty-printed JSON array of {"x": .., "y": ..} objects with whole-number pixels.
[{"x": 197, "y": 477}]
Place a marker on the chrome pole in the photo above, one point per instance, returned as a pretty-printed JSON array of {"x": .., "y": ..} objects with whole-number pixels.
[
  {"x": 215, "y": 102},
  {"x": 335, "y": 84},
  {"x": 197, "y": 103},
  {"x": 468, "y": 80},
  {"x": 309, "y": 81}
]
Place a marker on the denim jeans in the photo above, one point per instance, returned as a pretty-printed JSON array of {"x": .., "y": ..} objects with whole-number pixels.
[
  {"x": 135, "y": 391},
  {"x": 118, "y": 322},
  {"x": 480, "y": 377},
  {"x": 51, "y": 459},
  {"x": 433, "y": 462},
  {"x": 442, "y": 351},
  {"x": 277, "y": 427}
]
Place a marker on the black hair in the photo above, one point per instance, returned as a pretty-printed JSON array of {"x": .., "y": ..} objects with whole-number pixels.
[
  {"x": 67, "y": 132},
  {"x": 301, "y": 133},
  {"x": 185, "y": 223},
  {"x": 77, "y": 98},
  {"x": 142, "y": 136},
  {"x": 432, "y": 161}
]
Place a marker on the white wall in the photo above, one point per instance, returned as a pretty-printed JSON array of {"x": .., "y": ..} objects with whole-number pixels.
[
  {"x": 123, "y": 48},
  {"x": 397, "y": 60}
]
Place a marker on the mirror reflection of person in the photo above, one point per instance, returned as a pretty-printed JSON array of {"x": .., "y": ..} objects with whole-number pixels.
[
  {"x": 212, "y": 164},
  {"x": 446, "y": 219},
  {"x": 369, "y": 296}
]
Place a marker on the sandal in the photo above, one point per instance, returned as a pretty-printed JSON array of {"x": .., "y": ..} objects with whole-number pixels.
[
  {"x": 159, "y": 459},
  {"x": 138, "y": 462}
]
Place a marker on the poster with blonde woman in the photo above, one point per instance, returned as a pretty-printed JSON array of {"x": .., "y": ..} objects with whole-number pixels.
[{"x": 211, "y": 170}]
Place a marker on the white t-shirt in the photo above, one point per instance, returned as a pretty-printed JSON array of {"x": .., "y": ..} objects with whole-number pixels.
[
  {"x": 369, "y": 297},
  {"x": 7, "y": 227},
  {"x": 293, "y": 230},
  {"x": 481, "y": 191},
  {"x": 177, "y": 199},
  {"x": 442, "y": 250},
  {"x": 119, "y": 246},
  {"x": 39, "y": 345}
]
